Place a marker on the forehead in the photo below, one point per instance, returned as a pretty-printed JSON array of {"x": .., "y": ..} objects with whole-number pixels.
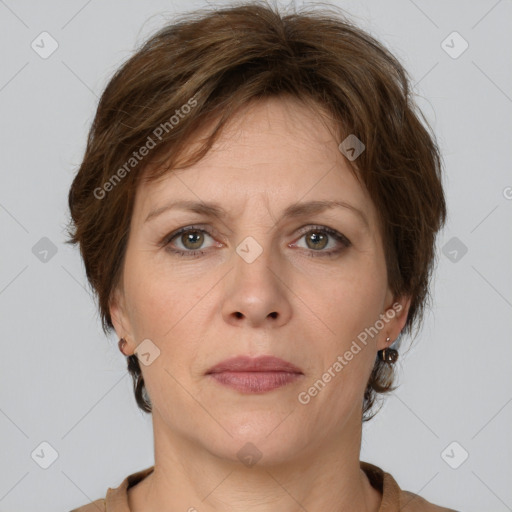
[{"x": 273, "y": 152}]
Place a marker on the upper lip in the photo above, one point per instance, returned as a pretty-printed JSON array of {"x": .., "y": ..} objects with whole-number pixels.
[{"x": 254, "y": 364}]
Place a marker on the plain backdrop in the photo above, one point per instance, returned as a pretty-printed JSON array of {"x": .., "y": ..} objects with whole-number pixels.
[{"x": 66, "y": 398}]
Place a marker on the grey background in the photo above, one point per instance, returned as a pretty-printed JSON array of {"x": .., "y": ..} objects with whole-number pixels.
[{"x": 62, "y": 382}]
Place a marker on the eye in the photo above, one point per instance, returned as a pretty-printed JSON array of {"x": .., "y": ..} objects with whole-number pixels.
[
  {"x": 317, "y": 239},
  {"x": 191, "y": 239}
]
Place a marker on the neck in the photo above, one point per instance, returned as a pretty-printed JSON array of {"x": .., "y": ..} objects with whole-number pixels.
[{"x": 324, "y": 476}]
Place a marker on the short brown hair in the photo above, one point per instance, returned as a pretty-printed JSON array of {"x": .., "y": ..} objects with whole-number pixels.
[{"x": 218, "y": 60}]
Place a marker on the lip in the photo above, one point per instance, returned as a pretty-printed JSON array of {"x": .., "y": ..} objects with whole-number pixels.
[
  {"x": 255, "y": 364},
  {"x": 254, "y": 375}
]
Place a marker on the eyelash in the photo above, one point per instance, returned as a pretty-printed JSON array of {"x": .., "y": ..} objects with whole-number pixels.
[{"x": 322, "y": 229}]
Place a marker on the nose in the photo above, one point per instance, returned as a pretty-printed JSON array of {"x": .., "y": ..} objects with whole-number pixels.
[{"x": 256, "y": 292}]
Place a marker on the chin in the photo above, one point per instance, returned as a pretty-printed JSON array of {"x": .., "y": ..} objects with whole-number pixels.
[{"x": 267, "y": 442}]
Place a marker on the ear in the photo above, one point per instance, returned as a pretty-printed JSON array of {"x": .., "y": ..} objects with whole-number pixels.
[
  {"x": 119, "y": 316},
  {"x": 396, "y": 315}
]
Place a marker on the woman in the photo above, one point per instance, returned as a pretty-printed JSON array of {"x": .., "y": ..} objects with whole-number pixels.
[{"x": 257, "y": 210}]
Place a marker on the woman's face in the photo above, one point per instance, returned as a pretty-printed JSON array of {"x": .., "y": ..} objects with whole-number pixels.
[{"x": 252, "y": 281}]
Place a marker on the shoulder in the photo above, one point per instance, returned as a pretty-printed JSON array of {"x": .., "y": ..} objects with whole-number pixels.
[
  {"x": 95, "y": 506},
  {"x": 410, "y": 502},
  {"x": 393, "y": 497},
  {"x": 116, "y": 499}
]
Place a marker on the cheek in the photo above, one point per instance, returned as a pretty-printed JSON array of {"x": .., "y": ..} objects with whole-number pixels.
[
  {"x": 158, "y": 297},
  {"x": 154, "y": 306},
  {"x": 354, "y": 298},
  {"x": 166, "y": 311}
]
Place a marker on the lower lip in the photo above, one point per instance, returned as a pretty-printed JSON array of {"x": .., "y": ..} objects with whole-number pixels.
[{"x": 255, "y": 382}]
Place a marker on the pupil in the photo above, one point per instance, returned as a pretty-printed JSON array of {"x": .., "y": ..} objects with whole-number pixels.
[
  {"x": 316, "y": 237},
  {"x": 189, "y": 239}
]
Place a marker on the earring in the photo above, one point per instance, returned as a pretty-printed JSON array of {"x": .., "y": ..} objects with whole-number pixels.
[
  {"x": 121, "y": 344},
  {"x": 388, "y": 355}
]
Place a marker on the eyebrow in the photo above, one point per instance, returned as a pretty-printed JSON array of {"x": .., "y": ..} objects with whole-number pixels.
[{"x": 300, "y": 209}]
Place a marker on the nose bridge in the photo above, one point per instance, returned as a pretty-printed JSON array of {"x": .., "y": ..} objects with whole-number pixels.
[
  {"x": 254, "y": 260},
  {"x": 255, "y": 290},
  {"x": 255, "y": 248},
  {"x": 256, "y": 229},
  {"x": 256, "y": 254}
]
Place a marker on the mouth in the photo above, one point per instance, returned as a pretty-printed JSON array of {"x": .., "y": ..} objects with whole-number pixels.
[{"x": 254, "y": 375}]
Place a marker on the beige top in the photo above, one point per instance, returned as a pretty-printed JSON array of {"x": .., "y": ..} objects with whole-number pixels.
[{"x": 393, "y": 498}]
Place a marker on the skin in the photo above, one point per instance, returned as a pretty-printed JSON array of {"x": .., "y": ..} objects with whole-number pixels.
[{"x": 203, "y": 309}]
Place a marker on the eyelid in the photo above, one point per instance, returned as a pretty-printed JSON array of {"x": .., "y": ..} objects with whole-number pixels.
[
  {"x": 193, "y": 227},
  {"x": 213, "y": 232},
  {"x": 210, "y": 231},
  {"x": 330, "y": 231}
]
